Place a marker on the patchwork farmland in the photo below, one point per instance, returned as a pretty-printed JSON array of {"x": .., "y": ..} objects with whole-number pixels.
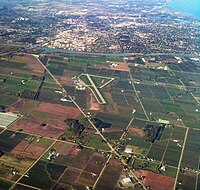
[{"x": 132, "y": 124}]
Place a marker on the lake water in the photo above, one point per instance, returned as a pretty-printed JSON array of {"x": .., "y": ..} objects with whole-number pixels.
[{"x": 187, "y": 6}]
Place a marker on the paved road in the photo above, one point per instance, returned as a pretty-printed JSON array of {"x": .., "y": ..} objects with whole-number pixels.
[
  {"x": 125, "y": 131},
  {"x": 92, "y": 124},
  {"x": 138, "y": 98},
  {"x": 112, "y": 149},
  {"x": 103, "y": 169},
  {"x": 181, "y": 156},
  {"x": 21, "y": 184},
  {"x": 32, "y": 166},
  {"x": 197, "y": 177}
]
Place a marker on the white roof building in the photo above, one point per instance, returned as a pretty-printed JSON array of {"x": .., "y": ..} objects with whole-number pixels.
[
  {"x": 128, "y": 150},
  {"x": 127, "y": 180}
]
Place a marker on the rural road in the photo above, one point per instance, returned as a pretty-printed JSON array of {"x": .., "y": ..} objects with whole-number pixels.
[{"x": 65, "y": 94}]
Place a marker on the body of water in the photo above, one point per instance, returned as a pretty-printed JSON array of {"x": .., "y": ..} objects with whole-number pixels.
[{"x": 187, "y": 6}]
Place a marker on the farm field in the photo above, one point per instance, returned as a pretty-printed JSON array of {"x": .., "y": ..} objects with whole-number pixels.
[
  {"x": 71, "y": 167},
  {"x": 4, "y": 184},
  {"x": 56, "y": 135},
  {"x": 18, "y": 152},
  {"x": 6, "y": 119}
]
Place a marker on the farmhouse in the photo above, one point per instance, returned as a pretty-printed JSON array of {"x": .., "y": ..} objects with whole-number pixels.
[
  {"x": 163, "y": 121},
  {"x": 128, "y": 150},
  {"x": 126, "y": 180}
]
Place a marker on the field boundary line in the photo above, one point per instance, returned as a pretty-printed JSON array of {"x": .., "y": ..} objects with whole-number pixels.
[
  {"x": 197, "y": 177},
  {"x": 102, "y": 171},
  {"x": 138, "y": 98},
  {"x": 32, "y": 165},
  {"x": 166, "y": 146},
  {"x": 83, "y": 170},
  {"x": 92, "y": 124},
  {"x": 180, "y": 160}
]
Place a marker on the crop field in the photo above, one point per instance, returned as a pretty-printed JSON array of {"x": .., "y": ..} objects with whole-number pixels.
[
  {"x": 31, "y": 147},
  {"x": 156, "y": 180},
  {"x": 139, "y": 123},
  {"x": 152, "y": 105},
  {"x": 40, "y": 120},
  {"x": 7, "y": 118},
  {"x": 188, "y": 180},
  {"x": 71, "y": 167},
  {"x": 22, "y": 187},
  {"x": 168, "y": 151},
  {"x": 141, "y": 164},
  {"x": 14, "y": 85},
  {"x": 178, "y": 134},
  {"x": 191, "y": 152},
  {"x": 110, "y": 176},
  {"x": 95, "y": 141},
  {"x": 11, "y": 64},
  {"x": 21, "y": 65},
  {"x": 8, "y": 143},
  {"x": 39, "y": 176},
  {"x": 116, "y": 120},
  {"x": 153, "y": 112},
  {"x": 79, "y": 95},
  {"x": 167, "y": 133},
  {"x": 144, "y": 90},
  {"x": 157, "y": 150},
  {"x": 172, "y": 154},
  {"x": 4, "y": 184},
  {"x": 23, "y": 106},
  {"x": 7, "y": 100},
  {"x": 171, "y": 98},
  {"x": 127, "y": 102},
  {"x": 138, "y": 144},
  {"x": 84, "y": 59},
  {"x": 124, "y": 84},
  {"x": 19, "y": 152}
]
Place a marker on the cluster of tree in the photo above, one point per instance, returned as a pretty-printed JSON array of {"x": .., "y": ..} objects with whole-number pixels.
[
  {"x": 28, "y": 94},
  {"x": 44, "y": 59},
  {"x": 142, "y": 165},
  {"x": 101, "y": 124},
  {"x": 2, "y": 108},
  {"x": 75, "y": 126},
  {"x": 151, "y": 132}
]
